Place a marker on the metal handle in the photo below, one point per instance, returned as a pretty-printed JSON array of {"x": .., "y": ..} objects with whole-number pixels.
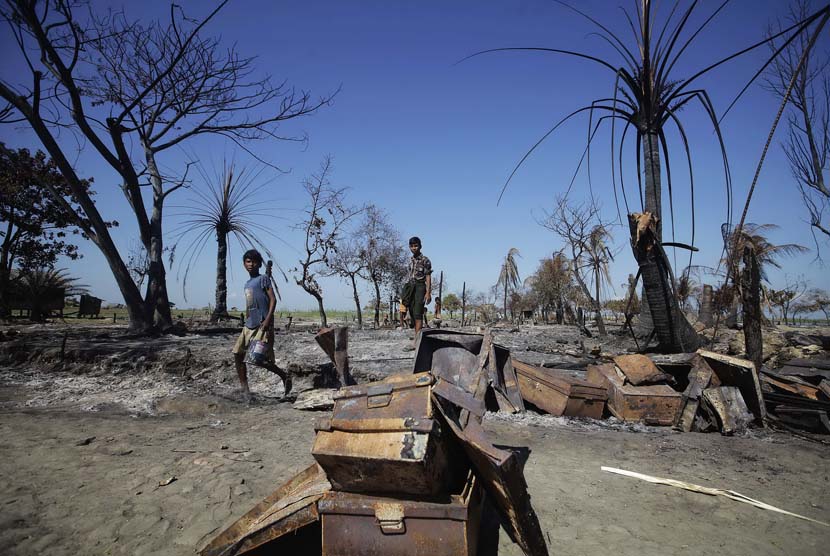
[{"x": 390, "y": 519}]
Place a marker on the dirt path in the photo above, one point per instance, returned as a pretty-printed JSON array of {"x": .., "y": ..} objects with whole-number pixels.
[{"x": 88, "y": 483}]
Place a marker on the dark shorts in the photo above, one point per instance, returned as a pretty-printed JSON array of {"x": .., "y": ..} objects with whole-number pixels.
[{"x": 416, "y": 308}]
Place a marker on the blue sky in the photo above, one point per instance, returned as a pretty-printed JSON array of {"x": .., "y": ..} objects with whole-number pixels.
[{"x": 432, "y": 141}]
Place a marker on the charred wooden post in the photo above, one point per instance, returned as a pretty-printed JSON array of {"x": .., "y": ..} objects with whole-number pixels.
[
  {"x": 463, "y": 302},
  {"x": 335, "y": 342},
  {"x": 751, "y": 299},
  {"x": 706, "y": 313},
  {"x": 673, "y": 331}
]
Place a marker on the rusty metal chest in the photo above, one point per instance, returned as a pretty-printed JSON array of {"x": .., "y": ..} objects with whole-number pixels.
[
  {"x": 382, "y": 438},
  {"x": 360, "y": 525}
]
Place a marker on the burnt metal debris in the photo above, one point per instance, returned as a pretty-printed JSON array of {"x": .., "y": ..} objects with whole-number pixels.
[{"x": 403, "y": 465}]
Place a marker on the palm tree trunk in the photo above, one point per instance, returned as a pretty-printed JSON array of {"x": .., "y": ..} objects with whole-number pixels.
[
  {"x": 731, "y": 321},
  {"x": 505, "y": 299},
  {"x": 598, "y": 306},
  {"x": 751, "y": 292},
  {"x": 706, "y": 314},
  {"x": 651, "y": 173},
  {"x": 674, "y": 333},
  {"x": 221, "y": 308},
  {"x": 357, "y": 303}
]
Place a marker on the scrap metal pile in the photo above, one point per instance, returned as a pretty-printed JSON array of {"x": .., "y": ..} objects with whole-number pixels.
[
  {"x": 403, "y": 466},
  {"x": 799, "y": 393}
]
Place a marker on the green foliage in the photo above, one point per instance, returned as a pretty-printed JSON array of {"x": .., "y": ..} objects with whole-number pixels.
[
  {"x": 35, "y": 225},
  {"x": 451, "y": 303}
]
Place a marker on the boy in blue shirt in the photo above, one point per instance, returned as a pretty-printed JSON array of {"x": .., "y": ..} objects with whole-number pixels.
[{"x": 260, "y": 303}]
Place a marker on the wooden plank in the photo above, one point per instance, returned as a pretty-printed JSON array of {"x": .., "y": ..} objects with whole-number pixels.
[
  {"x": 700, "y": 376},
  {"x": 809, "y": 363},
  {"x": 790, "y": 370},
  {"x": 729, "y": 407},
  {"x": 787, "y": 384},
  {"x": 640, "y": 370}
]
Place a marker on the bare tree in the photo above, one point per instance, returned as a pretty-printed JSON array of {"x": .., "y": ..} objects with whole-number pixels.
[
  {"x": 347, "y": 263},
  {"x": 381, "y": 252},
  {"x": 132, "y": 92},
  {"x": 807, "y": 145},
  {"x": 326, "y": 216},
  {"x": 788, "y": 295},
  {"x": 585, "y": 234}
]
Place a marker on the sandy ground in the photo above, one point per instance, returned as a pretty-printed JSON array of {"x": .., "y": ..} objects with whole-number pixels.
[{"x": 106, "y": 454}]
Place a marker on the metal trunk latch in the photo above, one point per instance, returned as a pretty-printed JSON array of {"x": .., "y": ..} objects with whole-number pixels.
[
  {"x": 379, "y": 396},
  {"x": 390, "y": 518}
]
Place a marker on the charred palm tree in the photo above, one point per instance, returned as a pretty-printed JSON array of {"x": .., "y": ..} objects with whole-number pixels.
[
  {"x": 509, "y": 275},
  {"x": 753, "y": 237},
  {"x": 647, "y": 96},
  {"x": 230, "y": 206}
]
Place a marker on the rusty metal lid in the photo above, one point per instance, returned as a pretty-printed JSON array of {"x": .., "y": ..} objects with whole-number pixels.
[
  {"x": 502, "y": 476},
  {"x": 288, "y": 509}
]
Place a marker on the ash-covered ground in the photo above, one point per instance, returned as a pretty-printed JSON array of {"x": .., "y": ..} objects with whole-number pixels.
[{"x": 113, "y": 444}]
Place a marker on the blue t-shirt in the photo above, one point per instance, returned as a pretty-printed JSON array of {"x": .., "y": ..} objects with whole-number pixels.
[{"x": 256, "y": 299}]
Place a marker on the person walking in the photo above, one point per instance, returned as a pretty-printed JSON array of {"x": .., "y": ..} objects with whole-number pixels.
[{"x": 259, "y": 322}]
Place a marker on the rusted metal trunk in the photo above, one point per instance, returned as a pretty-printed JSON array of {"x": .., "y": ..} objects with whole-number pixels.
[
  {"x": 357, "y": 525},
  {"x": 673, "y": 331},
  {"x": 382, "y": 439},
  {"x": 706, "y": 313},
  {"x": 751, "y": 294},
  {"x": 559, "y": 394}
]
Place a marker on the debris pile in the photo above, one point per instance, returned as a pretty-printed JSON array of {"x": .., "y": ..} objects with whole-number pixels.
[
  {"x": 799, "y": 393},
  {"x": 699, "y": 391},
  {"x": 404, "y": 466}
]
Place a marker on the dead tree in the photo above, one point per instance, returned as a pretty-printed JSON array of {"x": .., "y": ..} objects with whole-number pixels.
[
  {"x": 133, "y": 92},
  {"x": 807, "y": 145},
  {"x": 581, "y": 228},
  {"x": 347, "y": 263},
  {"x": 673, "y": 331},
  {"x": 380, "y": 251},
  {"x": 326, "y": 215},
  {"x": 751, "y": 299}
]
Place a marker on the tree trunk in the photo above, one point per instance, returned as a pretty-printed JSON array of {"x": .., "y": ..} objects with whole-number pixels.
[
  {"x": 376, "y": 283},
  {"x": 96, "y": 229},
  {"x": 594, "y": 302},
  {"x": 156, "y": 299},
  {"x": 221, "y": 309},
  {"x": 357, "y": 303},
  {"x": 505, "y": 299},
  {"x": 323, "y": 321},
  {"x": 650, "y": 142},
  {"x": 731, "y": 321},
  {"x": 706, "y": 313},
  {"x": 600, "y": 323},
  {"x": 674, "y": 332},
  {"x": 751, "y": 293},
  {"x": 463, "y": 302}
]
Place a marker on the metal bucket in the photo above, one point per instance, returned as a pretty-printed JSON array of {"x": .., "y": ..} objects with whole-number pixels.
[{"x": 258, "y": 350}]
